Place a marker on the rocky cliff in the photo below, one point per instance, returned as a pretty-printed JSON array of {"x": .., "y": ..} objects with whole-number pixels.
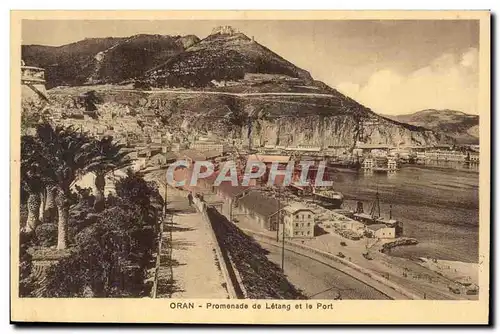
[
  {"x": 267, "y": 120},
  {"x": 226, "y": 83},
  {"x": 336, "y": 131}
]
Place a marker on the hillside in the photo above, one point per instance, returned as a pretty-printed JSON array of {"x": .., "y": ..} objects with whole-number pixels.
[
  {"x": 104, "y": 60},
  {"x": 227, "y": 84},
  {"x": 225, "y": 56},
  {"x": 69, "y": 64},
  {"x": 459, "y": 125},
  {"x": 318, "y": 120}
]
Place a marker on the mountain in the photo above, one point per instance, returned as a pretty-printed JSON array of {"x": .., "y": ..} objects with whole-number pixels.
[
  {"x": 459, "y": 125},
  {"x": 226, "y": 83},
  {"x": 104, "y": 60},
  {"x": 289, "y": 120},
  {"x": 224, "y": 55}
]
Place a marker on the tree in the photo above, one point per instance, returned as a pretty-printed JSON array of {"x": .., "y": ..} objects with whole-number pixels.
[
  {"x": 25, "y": 265},
  {"x": 112, "y": 255},
  {"x": 110, "y": 156},
  {"x": 32, "y": 165},
  {"x": 32, "y": 112},
  {"x": 67, "y": 153},
  {"x": 145, "y": 195}
]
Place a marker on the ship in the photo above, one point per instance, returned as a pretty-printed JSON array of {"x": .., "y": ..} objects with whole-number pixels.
[
  {"x": 374, "y": 217},
  {"x": 343, "y": 166},
  {"x": 328, "y": 198},
  {"x": 325, "y": 196}
]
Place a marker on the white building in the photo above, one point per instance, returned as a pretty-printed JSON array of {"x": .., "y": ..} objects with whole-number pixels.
[
  {"x": 299, "y": 221},
  {"x": 444, "y": 155},
  {"x": 381, "y": 231},
  {"x": 205, "y": 146}
]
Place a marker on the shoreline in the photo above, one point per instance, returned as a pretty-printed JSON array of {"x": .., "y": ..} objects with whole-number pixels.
[
  {"x": 412, "y": 275},
  {"x": 464, "y": 273},
  {"x": 451, "y": 269},
  {"x": 440, "y": 168}
]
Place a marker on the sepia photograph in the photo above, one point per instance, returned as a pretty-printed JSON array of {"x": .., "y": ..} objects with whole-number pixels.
[{"x": 225, "y": 163}]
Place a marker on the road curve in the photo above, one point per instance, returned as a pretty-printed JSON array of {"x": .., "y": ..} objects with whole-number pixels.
[
  {"x": 227, "y": 93},
  {"x": 318, "y": 280}
]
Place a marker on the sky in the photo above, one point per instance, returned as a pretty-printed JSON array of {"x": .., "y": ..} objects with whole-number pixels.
[{"x": 393, "y": 67}]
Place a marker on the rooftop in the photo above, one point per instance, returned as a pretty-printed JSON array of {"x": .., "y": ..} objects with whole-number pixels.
[
  {"x": 376, "y": 227},
  {"x": 372, "y": 146},
  {"x": 231, "y": 191},
  {"x": 260, "y": 203},
  {"x": 171, "y": 155},
  {"x": 363, "y": 215},
  {"x": 387, "y": 221},
  {"x": 194, "y": 155},
  {"x": 269, "y": 158},
  {"x": 294, "y": 207}
]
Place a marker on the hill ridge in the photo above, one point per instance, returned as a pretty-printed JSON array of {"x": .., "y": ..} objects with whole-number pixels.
[
  {"x": 457, "y": 124},
  {"x": 245, "y": 82}
]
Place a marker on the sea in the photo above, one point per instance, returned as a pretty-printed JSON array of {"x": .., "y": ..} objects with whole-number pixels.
[{"x": 438, "y": 205}]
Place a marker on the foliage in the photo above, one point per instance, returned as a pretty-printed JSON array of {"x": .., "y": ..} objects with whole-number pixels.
[
  {"x": 261, "y": 277},
  {"x": 125, "y": 58},
  {"x": 32, "y": 112},
  {"x": 111, "y": 249},
  {"x": 67, "y": 152},
  {"x": 108, "y": 156},
  {"x": 32, "y": 165},
  {"x": 23, "y": 214},
  {"x": 103, "y": 263},
  {"x": 144, "y": 85},
  {"x": 140, "y": 192},
  {"x": 25, "y": 265},
  {"x": 113, "y": 252},
  {"x": 46, "y": 234}
]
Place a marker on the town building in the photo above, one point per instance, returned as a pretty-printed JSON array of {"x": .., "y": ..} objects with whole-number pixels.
[
  {"x": 298, "y": 221},
  {"x": 445, "y": 155},
  {"x": 342, "y": 222},
  {"x": 162, "y": 159},
  {"x": 303, "y": 148},
  {"x": 224, "y": 30},
  {"x": 192, "y": 155},
  {"x": 368, "y": 164},
  {"x": 392, "y": 164},
  {"x": 393, "y": 223},
  {"x": 268, "y": 160},
  {"x": 420, "y": 155},
  {"x": 475, "y": 148},
  {"x": 382, "y": 231},
  {"x": 259, "y": 208},
  {"x": 402, "y": 153},
  {"x": 373, "y": 149},
  {"x": 230, "y": 195},
  {"x": 473, "y": 157},
  {"x": 177, "y": 147},
  {"x": 208, "y": 146},
  {"x": 33, "y": 82},
  {"x": 379, "y": 153}
]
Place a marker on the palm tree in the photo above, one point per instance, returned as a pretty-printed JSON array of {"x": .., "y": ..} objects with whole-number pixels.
[
  {"x": 67, "y": 153},
  {"x": 31, "y": 179},
  {"x": 49, "y": 205},
  {"x": 109, "y": 156}
]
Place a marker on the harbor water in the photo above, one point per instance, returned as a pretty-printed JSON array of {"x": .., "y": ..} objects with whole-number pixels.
[{"x": 438, "y": 205}]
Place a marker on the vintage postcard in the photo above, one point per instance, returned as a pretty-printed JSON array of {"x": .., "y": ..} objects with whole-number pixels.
[{"x": 250, "y": 167}]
